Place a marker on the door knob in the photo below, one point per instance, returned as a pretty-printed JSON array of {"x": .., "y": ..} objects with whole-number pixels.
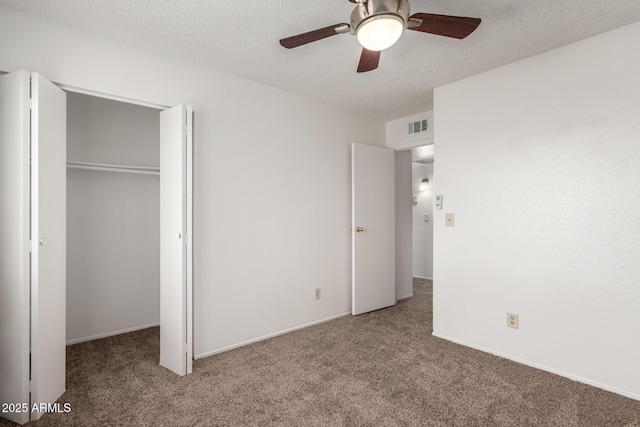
[
  {"x": 43, "y": 241},
  {"x": 359, "y": 229},
  {"x": 179, "y": 235}
]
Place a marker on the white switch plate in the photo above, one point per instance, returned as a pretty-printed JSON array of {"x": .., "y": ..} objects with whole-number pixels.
[
  {"x": 449, "y": 220},
  {"x": 426, "y": 217},
  {"x": 439, "y": 198}
]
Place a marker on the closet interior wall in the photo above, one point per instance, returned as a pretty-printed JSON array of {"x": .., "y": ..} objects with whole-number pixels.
[{"x": 113, "y": 218}]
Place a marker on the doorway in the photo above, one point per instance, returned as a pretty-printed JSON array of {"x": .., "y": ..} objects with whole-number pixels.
[
  {"x": 130, "y": 178},
  {"x": 113, "y": 217},
  {"x": 422, "y": 213}
]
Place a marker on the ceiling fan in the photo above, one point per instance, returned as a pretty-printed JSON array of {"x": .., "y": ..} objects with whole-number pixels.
[{"x": 378, "y": 24}]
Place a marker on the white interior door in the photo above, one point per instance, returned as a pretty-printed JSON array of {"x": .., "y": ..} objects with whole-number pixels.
[
  {"x": 48, "y": 235},
  {"x": 176, "y": 289},
  {"x": 14, "y": 244},
  {"x": 373, "y": 228},
  {"x": 33, "y": 179}
]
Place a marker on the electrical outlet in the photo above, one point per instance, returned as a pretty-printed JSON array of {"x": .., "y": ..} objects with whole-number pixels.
[
  {"x": 513, "y": 321},
  {"x": 317, "y": 293}
]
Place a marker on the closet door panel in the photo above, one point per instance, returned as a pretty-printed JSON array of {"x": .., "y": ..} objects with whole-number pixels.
[
  {"x": 48, "y": 234},
  {"x": 188, "y": 165},
  {"x": 14, "y": 243},
  {"x": 173, "y": 291}
]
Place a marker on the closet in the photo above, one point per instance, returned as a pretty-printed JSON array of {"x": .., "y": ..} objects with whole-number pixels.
[
  {"x": 113, "y": 217},
  {"x": 96, "y": 221}
]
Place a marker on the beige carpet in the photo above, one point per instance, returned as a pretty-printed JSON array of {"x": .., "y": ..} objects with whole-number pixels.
[{"x": 378, "y": 369}]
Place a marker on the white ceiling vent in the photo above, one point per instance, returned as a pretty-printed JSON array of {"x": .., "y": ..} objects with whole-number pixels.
[{"x": 418, "y": 127}]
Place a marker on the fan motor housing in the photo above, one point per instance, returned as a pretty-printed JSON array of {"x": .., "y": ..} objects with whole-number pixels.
[{"x": 374, "y": 9}]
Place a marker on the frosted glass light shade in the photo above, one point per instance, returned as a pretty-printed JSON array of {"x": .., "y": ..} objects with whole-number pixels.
[{"x": 380, "y": 33}]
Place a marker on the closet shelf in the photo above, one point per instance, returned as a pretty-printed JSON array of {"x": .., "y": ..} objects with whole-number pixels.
[{"x": 145, "y": 170}]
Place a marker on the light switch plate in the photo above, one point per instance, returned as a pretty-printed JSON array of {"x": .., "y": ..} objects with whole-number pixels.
[
  {"x": 449, "y": 220},
  {"x": 439, "y": 198},
  {"x": 426, "y": 217}
]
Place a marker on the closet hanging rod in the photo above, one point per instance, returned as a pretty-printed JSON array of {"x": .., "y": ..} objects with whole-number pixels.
[{"x": 145, "y": 170}]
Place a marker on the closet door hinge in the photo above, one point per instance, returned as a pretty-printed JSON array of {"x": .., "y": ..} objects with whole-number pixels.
[{"x": 30, "y": 246}]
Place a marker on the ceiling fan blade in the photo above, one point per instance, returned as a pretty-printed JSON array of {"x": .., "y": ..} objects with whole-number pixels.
[
  {"x": 315, "y": 35},
  {"x": 368, "y": 60},
  {"x": 457, "y": 27}
]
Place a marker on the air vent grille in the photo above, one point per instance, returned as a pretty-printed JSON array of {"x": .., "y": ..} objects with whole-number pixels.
[{"x": 418, "y": 127}]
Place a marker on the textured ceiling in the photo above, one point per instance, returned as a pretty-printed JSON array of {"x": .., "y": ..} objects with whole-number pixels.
[{"x": 241, "y": 37}]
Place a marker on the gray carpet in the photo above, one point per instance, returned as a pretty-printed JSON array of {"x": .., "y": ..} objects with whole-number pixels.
[{"x": 378, "y": 369}]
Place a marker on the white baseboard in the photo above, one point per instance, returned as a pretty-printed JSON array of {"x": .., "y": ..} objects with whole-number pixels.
[
  {"x": 542, "y": 367},
  {"x": 420, "y": 277},
  {"x": 266, "y": 337},
  {"x": 405, "y": 297},
  {"x": 110, "y": 334}
]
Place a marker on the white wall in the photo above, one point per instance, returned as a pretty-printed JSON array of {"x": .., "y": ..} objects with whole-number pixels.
[
  {"x": 422, "y": 230},
  {"x": 272, "y": 200},
  {"x": 539, "y": 162},
  {"x": 113, "y": 219},
  {"x": 404, "y": 280}
]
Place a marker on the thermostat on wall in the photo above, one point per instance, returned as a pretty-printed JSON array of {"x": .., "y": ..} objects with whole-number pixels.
[{"x": 439, "y": 198}]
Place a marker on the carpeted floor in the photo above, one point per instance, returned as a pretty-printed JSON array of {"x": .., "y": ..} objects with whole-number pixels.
[{"x": 379, "y": 369}]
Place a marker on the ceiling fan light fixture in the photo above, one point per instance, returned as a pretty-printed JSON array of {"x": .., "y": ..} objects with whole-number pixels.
[
  {"x": 380, "y": 32},
  {"x": 378, "y": 24}
]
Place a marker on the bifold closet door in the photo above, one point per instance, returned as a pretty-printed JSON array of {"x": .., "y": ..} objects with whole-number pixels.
[
  {"x": 14, "y": 244},
  {"x": 33, "y": 244},
  {"x": 49, "y": 241},
  {"x": 176, "y": 291}
]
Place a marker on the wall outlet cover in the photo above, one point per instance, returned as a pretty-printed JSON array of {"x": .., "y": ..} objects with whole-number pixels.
[{"x": 513, "y": 320}]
